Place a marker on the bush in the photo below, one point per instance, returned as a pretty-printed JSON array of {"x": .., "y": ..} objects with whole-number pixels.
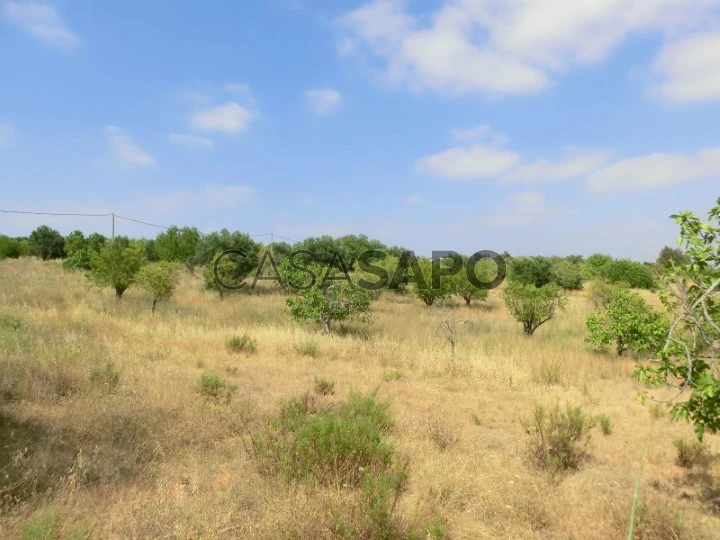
[
  {"x": 628, "y": 321},
  {"x": 157, "y": 280},
  {"x": 106, "y": 376},
  {"x": 533, "y": 306},
  {"x": 214, "y": 389},
  {"x": 558, "y": 440},
  {"x": 689, "y": 454},
  {"x": 567, "y": 275},
  {"x": 10, "y": 248},
  {"x": 324, "y": 387},
  {"x": 45, "y": 525},
  {"x": 244, "y": 343},
  {"x": 535, "y": 271},
  {"x": 79, "y": 260},
  {"x": 638, "y": 275},
  {"x": 326, "y": 446}
]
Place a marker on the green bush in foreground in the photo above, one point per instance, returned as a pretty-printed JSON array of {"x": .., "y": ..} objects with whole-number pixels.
[{"x": 214, "y": 389}]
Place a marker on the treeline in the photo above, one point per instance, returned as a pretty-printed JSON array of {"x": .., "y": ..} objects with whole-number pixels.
[{"x": 190, "y": 248}]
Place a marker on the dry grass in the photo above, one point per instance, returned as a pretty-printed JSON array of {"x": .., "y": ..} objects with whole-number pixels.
[{"x": 147, "y": 457}]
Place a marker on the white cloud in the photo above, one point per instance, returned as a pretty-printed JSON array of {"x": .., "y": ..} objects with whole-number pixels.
[
  {"x": 413, "y": 200},
  {"x": 323, "y": 100},
  {"x": 505, "y": 46},
  {"x": 690, "y": 67},
  {"x": 6, "y": 135},
  {"x": 481, "y": 132},
  {"x": 191, "y": 141},
  {"x": 230, "y": 117},
  {"x": 577, "y": 163},
  {"x": 41, "y": 21},
  {"x": 465, "y": 163},
  {"x": 655, "y": 171},
  {"x": 123, "y": 148}
]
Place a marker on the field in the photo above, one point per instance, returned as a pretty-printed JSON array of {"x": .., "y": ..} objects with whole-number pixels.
[{"x": 134, "y": 451}]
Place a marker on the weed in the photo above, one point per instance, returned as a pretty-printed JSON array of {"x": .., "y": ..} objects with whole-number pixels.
[
  {"x": 244, "y": 343},
  {"x": 558, "y": 440},
  {"x": 605, "y": 423},
  {"x": 324, "y": 387},
  {"x": 442, "y": 435},
  {"x": 214, "y": 389},
  {"x": 307, "y": 347},
  {"x": 689, "y": 454},
  {"x": 393, "y": 375},
  {"x": 43, "y": 526}
]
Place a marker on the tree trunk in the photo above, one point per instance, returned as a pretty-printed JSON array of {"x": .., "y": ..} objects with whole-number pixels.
[
  {"x": 467, "y": 300},
  {"x": 119, "y": 292},
  {"x": 154, "y": 304}
]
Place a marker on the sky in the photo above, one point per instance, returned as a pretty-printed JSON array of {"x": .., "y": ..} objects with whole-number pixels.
[{"x": 528, "y": 126}]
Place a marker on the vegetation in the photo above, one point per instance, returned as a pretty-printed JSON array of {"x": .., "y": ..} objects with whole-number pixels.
[
  {"x": 116, "y": 266},
  {"x": 629, "y": 322},
  {"x": 211, "y": 387},
  {"x": 689, "y": 356},
  {"x": 533, "y": 306},
  {"x": 558, "y": 439},
  {"x": 46, "y": 243},
  {"x": 336, "y": 302},
  {"x": 157, "y": 280},
  {"x": 244, "y": 343}
]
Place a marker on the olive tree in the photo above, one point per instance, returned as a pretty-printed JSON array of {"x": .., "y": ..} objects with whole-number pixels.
[
  {"x": 533, "y": 306},
  {"x": 688, "y": 360},
  {"x": 46, "y": 243},
  {"x": 116, "y": 266},
  {"x": 485, "y": 271},
  {"x": 335, "y": 302},
  {"x": 158, "y": 280},
  {"x": 628, "y": 321}
]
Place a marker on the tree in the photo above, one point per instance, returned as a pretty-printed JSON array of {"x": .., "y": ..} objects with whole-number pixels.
[
  {"x": 628, "y": 321},
  {"x": 594, "y": 264},
  {"x": 671, "y": 256},
  {"x": 485, "y": 271},
  {"x": 354, "y": 246},
  {"x": 423, "y": 286},
  {"x": 158, "y": 280},
  {"x": 566, "y": 274},
  {"x": 46, "y": 243},
  {"x": 688, "y": 360},
  {"x": 10, "y": 248},
  {"x": 95, "y": 242},
  {"x": 339, "y": 301},
  {"x": 178, "y": 245},
  {"x": 216, "y": 242},
  {"x": 324, "y": 249},
  {"x": 533, "y": 306},
  {"x": 116, "y": 266},
  {"x": 637, "y": 275},
  {"x": 225, "y": 273},
  {"x": 74, "y": 242},
  {"x": 531, "y": 271}
]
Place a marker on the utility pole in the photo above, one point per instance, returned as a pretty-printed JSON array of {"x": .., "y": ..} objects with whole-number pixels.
[
  {"x": 113, "y": 227},
  {"x": 272, "y": 239}
]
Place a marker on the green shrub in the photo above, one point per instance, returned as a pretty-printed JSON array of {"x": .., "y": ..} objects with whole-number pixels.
[
  {"x": 244, "y": 343},
  {"x": 558, "y": 440},
  {"x": 324, "y": 387},
  {"x": 393, "y": 375},
  {"x": 214, "y": 389},
  {"x": 10, "y": 322},
  {"x": 327, "y": 446},
  {"x": 533, "y": 306},
  {"x": 628, "y": 321},
  {"x": 689, "y": 454},
  {"x": 107, "y": 376}
]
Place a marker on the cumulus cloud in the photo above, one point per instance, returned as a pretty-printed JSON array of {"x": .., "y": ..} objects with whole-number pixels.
[
  {"x": 40, "y": 21},
  {"x": 123, "y": 148},
  {"x": 576, "y": 163},
  {"x": 690, "y": 69},
  {"x": 504, "y": 46},
  {"x": 471, "y": 162},
  {"x": 323, "y": 100},
  {"x": 230, "y": 118},
  {"x": 655, "y": 171}
]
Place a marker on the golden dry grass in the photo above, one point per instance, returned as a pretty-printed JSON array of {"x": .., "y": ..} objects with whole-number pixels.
[{"x": 151, "y": 459}]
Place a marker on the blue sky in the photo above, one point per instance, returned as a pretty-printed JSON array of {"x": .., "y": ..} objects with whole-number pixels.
[{"x": 532, "y": 126}]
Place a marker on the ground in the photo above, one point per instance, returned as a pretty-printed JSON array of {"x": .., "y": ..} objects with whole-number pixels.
[{"x": 145, "y": 456}]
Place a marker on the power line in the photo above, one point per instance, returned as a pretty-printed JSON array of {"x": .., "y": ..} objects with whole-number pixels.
[
  {"x": 142, "y": 222},
  {"x": 53, "y": 213}
]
